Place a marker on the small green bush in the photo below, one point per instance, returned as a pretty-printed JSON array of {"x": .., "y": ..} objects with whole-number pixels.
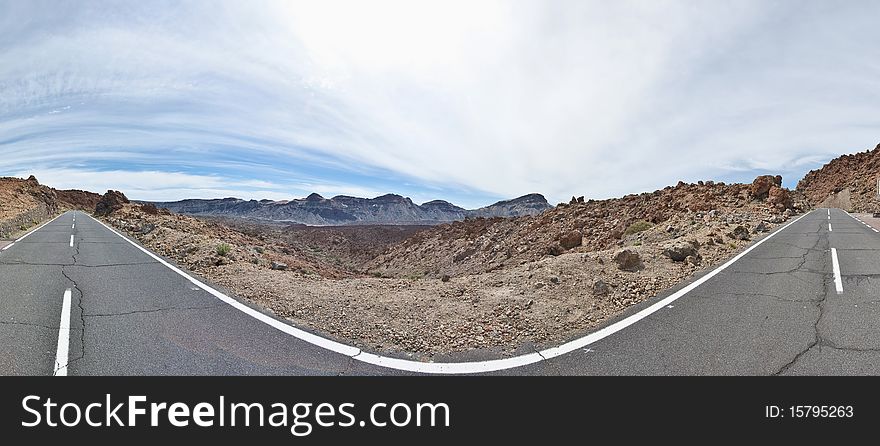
[
  {"x": 223, "y": 249},
  {"x": 637, "y": 226}
]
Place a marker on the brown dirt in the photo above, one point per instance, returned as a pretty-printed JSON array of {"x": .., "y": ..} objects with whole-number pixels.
[
  {"x": 346, "y": 247},
  {"x": 481, "y": 245},
  {"x": 536, "y": 300}
]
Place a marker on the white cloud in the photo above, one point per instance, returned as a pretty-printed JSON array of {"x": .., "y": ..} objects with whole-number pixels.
[{"x": 498, "y": 98}]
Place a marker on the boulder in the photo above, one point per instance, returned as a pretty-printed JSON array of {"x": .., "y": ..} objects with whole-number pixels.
[
  {"x": 600, "y": 288},
  {"x": 150, "y": 208},
  {"x": 628, "y": 260},
  {"x": 739, "y": 233},
  {"x": 760, "y": 187},
  {"x": 679, "y": 250},
  {"x": 555, "y": 249},
  {"x": 779, "y": 198},
  {"x": 111, "y": 202},
  {"x": 571, "y": 240}
]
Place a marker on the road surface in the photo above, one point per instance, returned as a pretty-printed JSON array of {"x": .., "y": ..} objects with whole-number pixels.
[{"x": 79, "y": 299}]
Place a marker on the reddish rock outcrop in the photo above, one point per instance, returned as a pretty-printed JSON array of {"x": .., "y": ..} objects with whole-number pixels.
[
  {"x": 111, "y": 201},
  {"x": 848, "y": 182}
]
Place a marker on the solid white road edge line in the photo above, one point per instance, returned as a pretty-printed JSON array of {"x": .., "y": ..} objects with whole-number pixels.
[
  {"x": 838, "y": 283},
  {"x": 36, "y": 229},
  {"x": 63, "y": 338},
  {"x": 29, "y": 233},
  {"x": 453, "y": 367}
]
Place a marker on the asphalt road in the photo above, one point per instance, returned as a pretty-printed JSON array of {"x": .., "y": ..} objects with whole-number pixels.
[{"x": 775, "y": 310}]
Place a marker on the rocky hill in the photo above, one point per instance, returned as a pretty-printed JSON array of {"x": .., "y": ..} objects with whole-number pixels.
[
  {"x": 848, "y": 182},
  {"x": 506, "y": 284},
  {"x": 77, "y": 199},
  {"x": 23, "y": 204},
  {"x": 481, "y": 245},
  {"x": 344, "y": 210}
]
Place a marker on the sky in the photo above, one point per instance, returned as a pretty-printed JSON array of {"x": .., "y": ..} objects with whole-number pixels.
[{"x": 467, "y": 101}]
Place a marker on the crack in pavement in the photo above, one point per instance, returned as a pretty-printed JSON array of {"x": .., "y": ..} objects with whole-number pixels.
[
  {"x": 80, "y": 265},
  {"x": 155, "y": 310},
  {"x": 79, "y": 302},
  {"x": 817, "y": 334},
  {"x": 760, "y": 295}
]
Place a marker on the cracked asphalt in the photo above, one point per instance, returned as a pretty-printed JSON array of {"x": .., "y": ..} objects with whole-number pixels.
[
  {"x": 131, "y": 315},
  {"x": 773, "y": 312}
]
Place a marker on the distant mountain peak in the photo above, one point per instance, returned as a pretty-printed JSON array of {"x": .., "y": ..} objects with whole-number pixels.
[{"x": 343, "y": 210}]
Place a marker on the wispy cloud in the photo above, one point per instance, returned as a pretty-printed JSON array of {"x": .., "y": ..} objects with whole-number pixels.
[{"x": 467, "y": 101}]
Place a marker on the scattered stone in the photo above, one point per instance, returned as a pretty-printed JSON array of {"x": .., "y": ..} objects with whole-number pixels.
[
  {"x": 279, "y": 266},
  {"x": 445, "y": 278},
  {"x": 555, "y": 249},
  {"x": 678, "y": 251},
  {"x": 571, "y": 240},
  {"x": 554, "y": 280},
  {"x": 694, "y": 260},
  {"x": 628, "y": 260},
  {"x": 740, "y": 233},
  {"x": 761, "y": 227},
  {"x": 600, "y": 288}
]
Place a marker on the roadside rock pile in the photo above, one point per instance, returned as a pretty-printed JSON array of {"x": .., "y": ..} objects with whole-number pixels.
[
  {"x": 646, "y": 220},
  {"x": 23, "y": 204},
  {"x": 848, "y": 182},
  {"x": 111, "y": 201}
]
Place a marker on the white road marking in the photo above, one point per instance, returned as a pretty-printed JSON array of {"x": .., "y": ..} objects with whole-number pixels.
[
  {"x": 829, "y": 228},
  {"x": 61, "y": 358},
  {"x": 36, "y": 229},
  {"x": 29, "y": 233},
  {"x": 73, "y": 226},
  {"x": 838, "y": 283},
  {"x": 71, "y": 240},
  {"x": 453, "y": 367},
  {"x": 829, "y": 213}
]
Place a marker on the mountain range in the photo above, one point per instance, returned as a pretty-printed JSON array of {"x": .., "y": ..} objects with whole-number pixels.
[{"x": 344, "y": 210}]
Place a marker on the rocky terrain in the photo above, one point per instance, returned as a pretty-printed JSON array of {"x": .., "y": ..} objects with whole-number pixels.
[
  {"x": 343, "y": 210},
  {"x": 348, "y": 247},
  {"x": 77, "y": 199},
  {"x": 848, "y": 182},
  {"x": 503, "y": 285},
  {"x": 702, "y": 212},
  {"x": 23, "y": 204}
]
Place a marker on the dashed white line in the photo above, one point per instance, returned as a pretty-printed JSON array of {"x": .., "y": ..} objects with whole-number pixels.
[
  {"x": 71, "y": 240},
  {"x": 829, "y": 228},
  {"x": 838, "y": 282},
  {"x": 61, "y": 353}
]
